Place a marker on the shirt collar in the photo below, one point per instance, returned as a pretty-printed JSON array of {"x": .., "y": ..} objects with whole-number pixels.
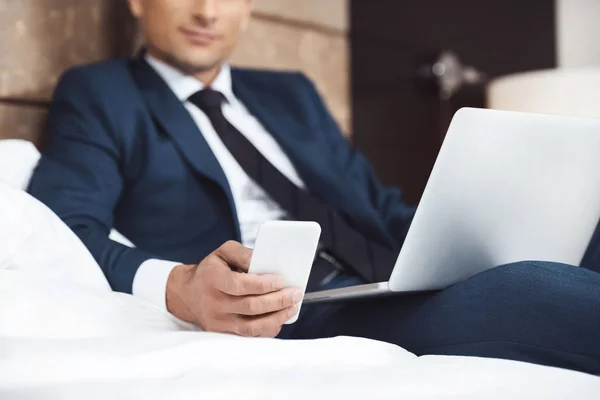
[{"x": 185, "y": 85}]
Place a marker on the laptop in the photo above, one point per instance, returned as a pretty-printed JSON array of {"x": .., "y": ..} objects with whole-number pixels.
[{"x": 506, "y": 187}]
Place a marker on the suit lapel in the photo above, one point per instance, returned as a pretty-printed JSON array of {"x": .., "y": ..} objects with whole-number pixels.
[
  {"x": 172, "y": 116},
  {"x": 292, "y": 133},
  {"x": 278, "y": 120},
  {"x": 306, "y": 153}
]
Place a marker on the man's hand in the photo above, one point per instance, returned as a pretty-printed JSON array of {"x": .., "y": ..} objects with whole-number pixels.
[{"x": 217, "y": 298}]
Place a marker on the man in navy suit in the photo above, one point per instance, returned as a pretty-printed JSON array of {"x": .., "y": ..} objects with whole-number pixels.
[{"x": 186, "y": 157}]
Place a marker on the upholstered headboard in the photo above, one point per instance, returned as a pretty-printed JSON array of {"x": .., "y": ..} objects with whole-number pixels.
[
  {"x": 22, "y": 120},
  {"x": 39, "y": 40}
]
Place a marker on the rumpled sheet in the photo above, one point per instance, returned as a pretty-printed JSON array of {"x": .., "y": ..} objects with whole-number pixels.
[{"x": 185, "y": 365}]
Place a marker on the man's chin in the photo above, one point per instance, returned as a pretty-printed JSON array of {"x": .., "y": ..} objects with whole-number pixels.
[
  {"x": 191, "y": 64},
  {"x": 193, "y": 67}
]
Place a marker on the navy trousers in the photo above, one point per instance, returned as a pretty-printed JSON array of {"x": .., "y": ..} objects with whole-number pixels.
[{"x": 543, "y": 313}]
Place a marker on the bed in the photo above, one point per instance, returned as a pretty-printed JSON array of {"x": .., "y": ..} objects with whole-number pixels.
[{"x": 65, "y": 335}]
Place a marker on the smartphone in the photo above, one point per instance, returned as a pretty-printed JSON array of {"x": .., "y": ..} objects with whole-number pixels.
[{"x": 286, "y": 248}]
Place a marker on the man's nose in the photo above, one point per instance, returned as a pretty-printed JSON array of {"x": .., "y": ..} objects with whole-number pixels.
[{"x": 206, "y": 10}]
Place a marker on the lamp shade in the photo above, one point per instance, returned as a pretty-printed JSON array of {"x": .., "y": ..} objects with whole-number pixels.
[{"x": 574, "y": 92}]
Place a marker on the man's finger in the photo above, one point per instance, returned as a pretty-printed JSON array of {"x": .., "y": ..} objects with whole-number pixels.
[
  {"x": 267, "y": 325},
  {"x": 235, "y": 255},
  {"x": 265, "y": 304},
  {"x": 240, "y": 284}
]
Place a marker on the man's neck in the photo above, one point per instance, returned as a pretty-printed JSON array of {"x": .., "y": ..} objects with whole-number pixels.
[{"x": 207, "y": 77}]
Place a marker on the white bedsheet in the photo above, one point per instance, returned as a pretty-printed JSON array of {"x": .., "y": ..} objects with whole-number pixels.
[
  {"x": 200, "y": 366},
  {"x": 182, "y": 365},
  {"x": 65, "y": 335},
  {"x": 60, "y": 340}
]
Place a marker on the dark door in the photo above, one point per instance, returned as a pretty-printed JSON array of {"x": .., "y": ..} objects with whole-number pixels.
[{"x": 398, "y": 118}]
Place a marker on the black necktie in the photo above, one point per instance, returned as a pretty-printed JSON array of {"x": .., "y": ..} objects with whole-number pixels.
[{"x": 347, "y": 244}]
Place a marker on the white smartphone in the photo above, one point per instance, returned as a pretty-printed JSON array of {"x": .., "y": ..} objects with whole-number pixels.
[{"x": 286, "y": 248}]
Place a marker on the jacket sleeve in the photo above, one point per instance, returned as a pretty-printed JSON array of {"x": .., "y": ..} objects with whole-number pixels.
[
  {"x": 387, "y": 200},
  {"x": 79, "y": 176}
]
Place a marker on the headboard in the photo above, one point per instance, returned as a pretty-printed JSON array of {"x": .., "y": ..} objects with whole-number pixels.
[
  {"x": 22, "y": 119},
  {"x": 39, "y": 40}
]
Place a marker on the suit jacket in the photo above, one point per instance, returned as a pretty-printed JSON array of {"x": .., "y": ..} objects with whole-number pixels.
[{"x": 124, "y": 152}]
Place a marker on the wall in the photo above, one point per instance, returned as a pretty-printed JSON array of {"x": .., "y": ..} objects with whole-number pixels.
[
  {"x": 578, "y": 33},
  {"x": 398, "y": 119},
  {"x": 306, "y": 35},
  {"x": 40, "y": 39}
]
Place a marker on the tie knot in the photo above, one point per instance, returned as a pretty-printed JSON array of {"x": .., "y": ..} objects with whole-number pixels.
[{"x": 207, "y": 99}]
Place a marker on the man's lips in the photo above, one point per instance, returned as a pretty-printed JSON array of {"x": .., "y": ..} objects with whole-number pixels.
[{"x": 199, "y": 36}]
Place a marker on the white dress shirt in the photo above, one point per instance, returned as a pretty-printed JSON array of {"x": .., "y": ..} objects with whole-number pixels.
[{"x": 252, "y": 204}]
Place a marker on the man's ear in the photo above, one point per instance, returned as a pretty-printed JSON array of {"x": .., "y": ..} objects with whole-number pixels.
[{"x": 136, "y": 8}]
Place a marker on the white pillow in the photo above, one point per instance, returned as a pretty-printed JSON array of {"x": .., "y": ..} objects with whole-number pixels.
[
  {"x": 33, "y": 239},
  {"x": 18, "y": 158},
  {"x": 50, "y": 285}
]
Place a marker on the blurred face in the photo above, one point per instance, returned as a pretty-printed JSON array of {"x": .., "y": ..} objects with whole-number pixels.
[{"x": 194, "y": 36}]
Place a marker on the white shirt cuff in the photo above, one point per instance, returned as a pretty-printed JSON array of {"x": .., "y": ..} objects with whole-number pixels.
[{"x": 150, "y": 281}]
